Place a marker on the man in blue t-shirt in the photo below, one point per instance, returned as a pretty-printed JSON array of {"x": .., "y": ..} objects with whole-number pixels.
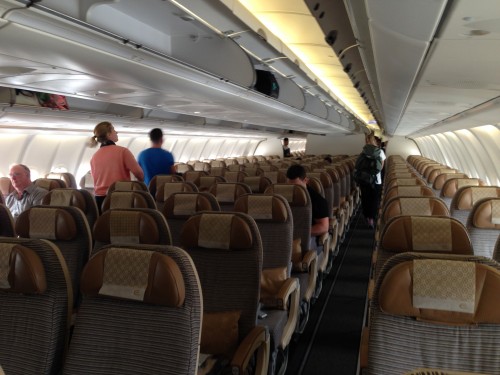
[{"x": 155, "y": 160}]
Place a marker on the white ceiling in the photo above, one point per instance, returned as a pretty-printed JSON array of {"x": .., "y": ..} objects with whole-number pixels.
[{"x": 432, "y": 65}]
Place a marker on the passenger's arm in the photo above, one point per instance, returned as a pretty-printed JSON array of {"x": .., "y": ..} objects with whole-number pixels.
[
  {"x": 320, "y": 226},
  {"x": 133, "y": 165}
]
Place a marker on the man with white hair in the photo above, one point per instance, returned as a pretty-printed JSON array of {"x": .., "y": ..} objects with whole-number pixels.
[{"x": 25, "y": 194}]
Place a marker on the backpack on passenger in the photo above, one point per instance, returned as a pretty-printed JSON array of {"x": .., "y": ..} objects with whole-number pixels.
[{"x": 368, "y": 165}]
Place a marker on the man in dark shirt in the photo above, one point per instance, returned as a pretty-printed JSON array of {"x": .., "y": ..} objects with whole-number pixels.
[
  {"x": 296, "y": 174},
  {"x": 286, "y": 148}
]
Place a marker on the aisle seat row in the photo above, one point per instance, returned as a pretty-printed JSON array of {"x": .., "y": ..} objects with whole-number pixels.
[
  {"x": 433, "y": 298},
  {"x": 287, "y": 281}
]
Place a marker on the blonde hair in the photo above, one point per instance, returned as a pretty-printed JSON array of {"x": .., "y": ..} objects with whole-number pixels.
[
  {"x": 370, "y": 139},
  {"x": 101, "y": 132}
]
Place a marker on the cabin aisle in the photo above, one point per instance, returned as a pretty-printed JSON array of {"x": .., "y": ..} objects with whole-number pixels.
[{"x": 330, "y": 343}]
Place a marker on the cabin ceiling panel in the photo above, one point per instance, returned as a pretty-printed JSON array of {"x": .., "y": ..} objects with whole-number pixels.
[{"x": 148, "y": 74}]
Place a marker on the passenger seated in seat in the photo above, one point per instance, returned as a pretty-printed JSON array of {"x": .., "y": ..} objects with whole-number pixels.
[
  {"x": 110, "y": 163},
  {"x": 25, "y": 194},
  {"x": 296, "y": 174}
]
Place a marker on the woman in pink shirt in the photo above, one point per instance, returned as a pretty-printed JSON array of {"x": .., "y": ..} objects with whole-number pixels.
[{"x": 111, "y": 162}]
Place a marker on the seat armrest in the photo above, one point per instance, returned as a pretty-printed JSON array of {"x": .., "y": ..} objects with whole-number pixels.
[
  {"x": 292, "y": 291},
  {"x": 363, "y": 348},
  {"x": 280, "y": 300},
  {"x": 256, "y": 342}
]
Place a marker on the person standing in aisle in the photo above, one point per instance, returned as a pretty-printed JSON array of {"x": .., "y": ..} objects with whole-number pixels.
[
  {"x": 155, "y": 160},
  {"x": 110, "y": 163}
]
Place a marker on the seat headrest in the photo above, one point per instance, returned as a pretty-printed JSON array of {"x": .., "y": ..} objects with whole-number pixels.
[
  {"x": 21, "y": 270},
  {"x": 166, "y": 189},
  {"x": 451, "y": 186},
  {"x": 184, "y": 205},
  {"x": 486, "y": 214},
  {"x": 49, "y": 184},
  {"x": 65, "y": 197},
  {"x": 468, "y": 196},
  {"x": 125, "y": 199},
  {"x": 263, "y": 207},
  {"x": 296, "y": 195},
  {"x": 316, "y": 185},
  {"x": 132, "y": 274},
  {"x": 126, "y": 226},
  {"x": 228, "y": 192},
  {"x": 46, "y": 223},
  {"x": 442, "y": 291},
  {"x": 425, "y": 233},
  {"x": 217, "y": 231},
  {"x": 127, "y": 186}
]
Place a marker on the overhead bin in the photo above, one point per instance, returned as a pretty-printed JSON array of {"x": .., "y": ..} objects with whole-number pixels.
[{"x": 315, "y": 106}]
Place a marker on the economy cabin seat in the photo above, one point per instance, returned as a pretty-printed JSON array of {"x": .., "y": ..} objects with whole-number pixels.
[
  {"x": 434, "y": 371},
  {"x": 128, "y": 199},
  {"x": 81, "y": 199},
  {"x": 427, "y": 170},
  {"x": 496, "y": 251},
  {"x": 440, "y": 179},
  {"x": 450, "y": 187},
  {"x": 226, "y": 249},
  {"x": 483, "y": 225},
  {"x": 218, "y": 171},
  {"x": 5, "y": 187},
  {"x": 67, "y": 228},
  {"x": 274, "y": 176},
  {"x": 279, "y": 292},
  {"x": 36, "y": 300},
  {"x": 131, "y": 226},
  {"x": 419, "y": 205},
  {"x": 141, "y": 313},
  {"x": 338, "y": 209},
  {"x": 207, "y": 181},
  {"x": 202, "y": 166},
  {"x": 49, "y": 183},
  {"x": 304, "y": 260},
  {"x": 168, "y": 188},
  {"x": 7, "y": 228},
  {"x": 234, "y": 176},
  {"x": 437, "y": 171},
  {"x": 67, "y": 177},
  {"x": 257, "y": 184},
  {"x": 429, "y": 234},
  {"x": 408, "y": 191},
  {"x": 327, "y": 185},
  {"x": 399, "y": 174},
  {"x": 127, "y": 186},
  {"x": 226, "y": 193},
  {"x": 217, "y": 164},
  {"x": 324, "y": 255},
  {"x": 235, "y": 167},
  {"x": 435, "y": 311},
  {"x": 87, "y": 182},
  {"x": 181, "y": 206},
  {"x": 161, "y": 179},
  {"x": 465, "y": 198}
]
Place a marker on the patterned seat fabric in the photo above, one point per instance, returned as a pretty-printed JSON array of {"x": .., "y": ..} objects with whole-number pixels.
[
  {"x": 465, "y": 198},
  {"x": 128, "y": 199},
  {"x": 424, "y": 206},
  {"x": 180, "y": 206},
  {"x": 304, "y": 261},
  {"x": 279, "y": 292},
  {"x": 133, "y": 226},
  {"x": 227, "y": 193},
  {"x": 227, "y": 251},
  {"x": 67, "y": 228},
  {"x": 33, "y": 340},
  {"x": 81, "y": 199},
  {"x": 137, "y": 299},
  {"x": 433, "y": 310},
  {"x": 161, "y": 179},
  {"x": 483, "y": 225}
]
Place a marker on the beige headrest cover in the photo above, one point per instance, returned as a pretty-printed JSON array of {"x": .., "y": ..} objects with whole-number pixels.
[
  {"x": 132, "y": 274},
  {"x": 183, "y": 205},
  {"x": 263, "y": 207},
  {"x": 130, "y": 226},
  {"x": 217, "y": 230},
  {"x": 296, "y": 195},
  {"x": 65, "y": 197},
  {"x": 21, "y": 270},
  {"x": 453, "y": 288},
  {"x": 486, "y": 214},
  {"x": 46, "y": 223},
  {"x": 426, "y": 233}
]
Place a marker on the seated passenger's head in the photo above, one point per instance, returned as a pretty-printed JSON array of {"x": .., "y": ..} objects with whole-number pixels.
[
  {"x": 285, "y": 141},
  {"x": 20, "y": 176},
  {"x": 296, "y": 174}
]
